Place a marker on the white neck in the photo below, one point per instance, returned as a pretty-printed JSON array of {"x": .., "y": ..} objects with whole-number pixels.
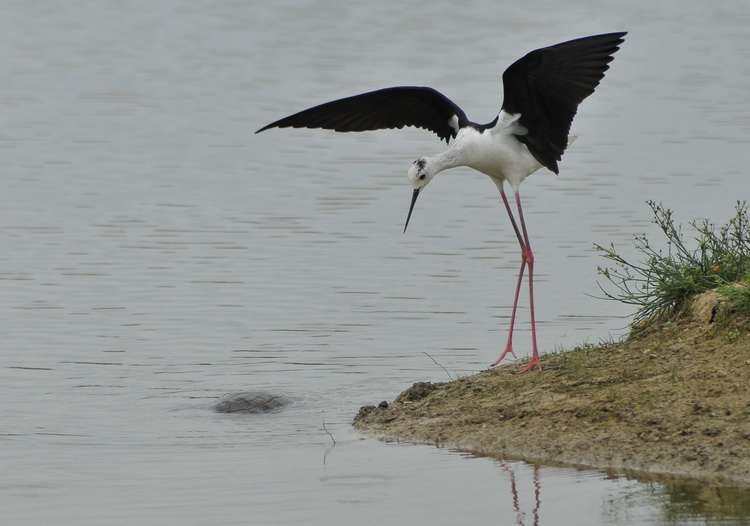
[{"x": 450, "y": 158}]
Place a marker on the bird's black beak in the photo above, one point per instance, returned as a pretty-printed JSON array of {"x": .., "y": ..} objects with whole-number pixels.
[{"x": 411, "y": 207}]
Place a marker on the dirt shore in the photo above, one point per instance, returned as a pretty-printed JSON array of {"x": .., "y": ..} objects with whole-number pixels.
[{"x": 673, "y": 401}]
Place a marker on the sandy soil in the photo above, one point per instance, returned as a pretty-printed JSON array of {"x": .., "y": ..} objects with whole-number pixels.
[{"x": 673, "y": 400}]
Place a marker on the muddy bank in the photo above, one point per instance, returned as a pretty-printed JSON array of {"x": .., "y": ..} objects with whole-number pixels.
[{"x": 673, "y": 401}]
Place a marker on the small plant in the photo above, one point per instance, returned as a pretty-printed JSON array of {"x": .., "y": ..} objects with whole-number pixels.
[
  {"x": 738, "y": 294},
  {"x": 663, "y": 281}
]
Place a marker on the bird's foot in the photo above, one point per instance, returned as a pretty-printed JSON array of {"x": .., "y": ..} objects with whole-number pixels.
[
  {"x": 533, "y": 363},
  {"x": 508, "y": 349}
]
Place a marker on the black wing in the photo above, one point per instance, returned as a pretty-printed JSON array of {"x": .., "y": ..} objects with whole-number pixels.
[
  {"x": 547, "y": 85},
  {"x": 386, "y": 108}
]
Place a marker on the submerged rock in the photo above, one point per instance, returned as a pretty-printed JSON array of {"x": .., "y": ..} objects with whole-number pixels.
[{"x": 251, "y": 402}]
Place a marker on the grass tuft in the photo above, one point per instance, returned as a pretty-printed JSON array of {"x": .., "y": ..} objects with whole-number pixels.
[{"x": 665, "y": 279}]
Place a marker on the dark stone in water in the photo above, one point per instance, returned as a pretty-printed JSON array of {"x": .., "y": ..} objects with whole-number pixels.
[{"x": 251, "y": 402}]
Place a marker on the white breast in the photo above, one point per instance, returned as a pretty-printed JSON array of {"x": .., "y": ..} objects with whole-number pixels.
[{"x": 497, "y": 152}]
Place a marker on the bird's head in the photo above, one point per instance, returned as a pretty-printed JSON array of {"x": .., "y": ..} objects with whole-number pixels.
[{"x": 419, "y": 175}]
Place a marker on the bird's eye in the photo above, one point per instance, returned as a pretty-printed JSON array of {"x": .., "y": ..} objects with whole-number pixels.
[{"x": 422, "y": 176}]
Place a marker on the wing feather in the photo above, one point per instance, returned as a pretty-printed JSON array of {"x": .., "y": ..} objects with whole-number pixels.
[
  {"x": 547, "y": 85},
  {"x": 397, "y": 107}
]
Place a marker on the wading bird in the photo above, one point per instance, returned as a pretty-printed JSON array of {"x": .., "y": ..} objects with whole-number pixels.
[{"x": 542, "y": 92}]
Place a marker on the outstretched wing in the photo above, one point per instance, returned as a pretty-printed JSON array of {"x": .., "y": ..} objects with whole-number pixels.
[
  {"x": 385, "y": 108},
  {"x": 547, "y": 85}
]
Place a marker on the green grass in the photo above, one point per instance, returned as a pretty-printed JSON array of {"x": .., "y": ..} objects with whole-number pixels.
[
  {"x": 666, "y": 278},
  {"x": 738, "y": 294}
]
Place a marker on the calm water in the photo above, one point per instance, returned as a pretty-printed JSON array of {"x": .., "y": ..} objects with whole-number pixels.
[{"x": 157, "y": 254}]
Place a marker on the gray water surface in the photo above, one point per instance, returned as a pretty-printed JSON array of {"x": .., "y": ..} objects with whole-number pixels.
[{"x": 156, "y": 254}]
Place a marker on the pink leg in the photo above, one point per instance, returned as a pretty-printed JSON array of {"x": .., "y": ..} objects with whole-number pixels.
[
  {"x": 509, "y": 344},
  {"x": 527, "y": 258}
]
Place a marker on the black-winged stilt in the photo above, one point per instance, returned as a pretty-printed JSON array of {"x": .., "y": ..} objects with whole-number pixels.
[{"x": 542, "y": 92}]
